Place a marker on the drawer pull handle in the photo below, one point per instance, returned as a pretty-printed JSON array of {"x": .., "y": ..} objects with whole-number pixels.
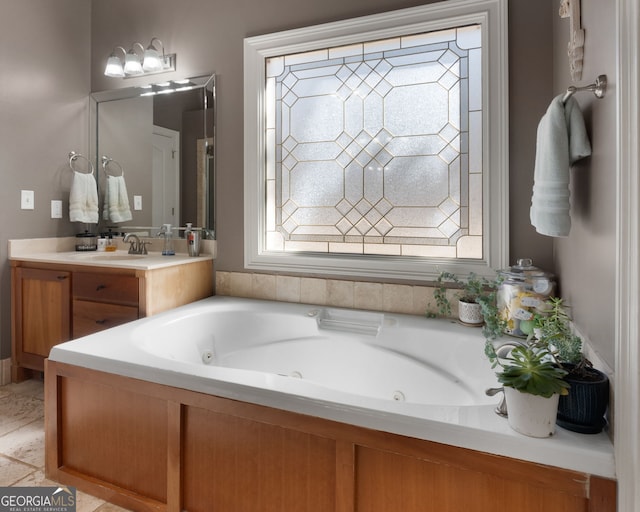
[
  {"x": 101, "y": 287},
  {"x": 61, "y": 277},
  {"x": 101, "y": 322}
]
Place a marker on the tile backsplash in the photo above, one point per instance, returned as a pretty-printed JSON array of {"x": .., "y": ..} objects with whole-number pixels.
[{"x": 393, "y": 298}]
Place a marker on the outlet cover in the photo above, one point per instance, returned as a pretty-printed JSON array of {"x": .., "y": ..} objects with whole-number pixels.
[
  {"x": 137, "y": 202},
  {"x": 27, "y": 200},
  {"x": 56, "y": 209}
]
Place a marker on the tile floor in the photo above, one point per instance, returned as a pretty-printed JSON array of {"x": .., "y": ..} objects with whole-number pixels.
[{"x": 22, "y": 443}]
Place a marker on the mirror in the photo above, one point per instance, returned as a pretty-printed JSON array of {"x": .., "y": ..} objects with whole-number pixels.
[{"x": 160, "y": 138}]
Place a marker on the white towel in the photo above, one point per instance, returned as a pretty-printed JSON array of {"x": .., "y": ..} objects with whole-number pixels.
[
  {"x": 83, "y": 199},
  {"x": 561, "y": 141},
  {"x": 116, "y": 201}
]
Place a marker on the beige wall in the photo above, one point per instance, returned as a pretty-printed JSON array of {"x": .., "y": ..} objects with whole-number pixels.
[
  {"x": 45, "y": 56},
  {"x": 586, "y": 260}
]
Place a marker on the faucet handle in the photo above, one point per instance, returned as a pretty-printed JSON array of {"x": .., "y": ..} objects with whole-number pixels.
[
  {"x": 144, "y": 246},
  {"x": 501, "y": 410}
]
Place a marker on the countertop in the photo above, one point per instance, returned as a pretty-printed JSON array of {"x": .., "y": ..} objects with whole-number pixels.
[{"x": 62, "y": 250}]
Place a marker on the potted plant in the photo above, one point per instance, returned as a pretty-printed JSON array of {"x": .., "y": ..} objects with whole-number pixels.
[
  {"x": 476, "y": 299},
  {"x": 583, "y": 408},
  {"x": 533, "y": 383}
]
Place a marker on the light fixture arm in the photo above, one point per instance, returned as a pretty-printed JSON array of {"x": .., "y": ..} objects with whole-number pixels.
[
  {"x": 133, "y": 49},
  {"x": 124, "y": 52},
  {"x": 151, "y": 45}
]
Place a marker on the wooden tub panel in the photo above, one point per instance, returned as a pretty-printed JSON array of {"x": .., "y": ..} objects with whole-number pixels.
[
  {"x": 103, "y": 439},
  {"x": 231, "y": 463},
  {"x": 150, "y": 447}
]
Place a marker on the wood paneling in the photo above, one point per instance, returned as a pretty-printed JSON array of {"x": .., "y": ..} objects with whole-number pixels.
[
  {"x": 169, "y": 287},
  {"x": 390, "y": 482},
  {"x": 104, "y": 434},
  {"x": 232, "y": 463},
  {"x": 116, "y": 436}
]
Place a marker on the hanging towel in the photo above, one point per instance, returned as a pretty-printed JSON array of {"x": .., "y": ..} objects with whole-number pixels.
[
  {"x": 116, "y": 201},
  {"x": 83, "y": 199},
  {"x": 561, "y": 141}
]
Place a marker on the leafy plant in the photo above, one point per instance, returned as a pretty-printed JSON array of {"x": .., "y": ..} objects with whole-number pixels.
[
  {"x": 553, "y": 330},
  {"x": 529, "y": 368},
  {"x": 473, "y": 289}
]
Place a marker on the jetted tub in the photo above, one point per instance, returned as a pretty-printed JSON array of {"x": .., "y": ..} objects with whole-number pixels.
[{"x": 403, "y": 374}]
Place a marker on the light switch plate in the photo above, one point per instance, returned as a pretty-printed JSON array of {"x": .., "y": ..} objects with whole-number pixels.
[
  {"x": 27, "y": 200},
  {"x": 137, "y": 202},
  {"x": 56, "y": 209}
]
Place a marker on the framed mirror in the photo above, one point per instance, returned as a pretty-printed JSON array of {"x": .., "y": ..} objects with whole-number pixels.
[{"x": 161, "y": 139}]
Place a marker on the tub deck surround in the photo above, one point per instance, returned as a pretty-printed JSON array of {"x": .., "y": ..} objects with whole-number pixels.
[{"x": 168, "y": 349}]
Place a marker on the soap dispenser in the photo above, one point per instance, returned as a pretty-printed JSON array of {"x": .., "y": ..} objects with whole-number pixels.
[{"x": 167, "y": 249}]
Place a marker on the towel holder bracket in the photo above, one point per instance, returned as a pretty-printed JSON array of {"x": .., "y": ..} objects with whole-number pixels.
[
  {"x": 73, "y": 156},
  {"x": 599, "y": 88}
]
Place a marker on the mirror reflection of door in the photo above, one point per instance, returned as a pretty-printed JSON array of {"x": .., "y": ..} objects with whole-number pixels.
[{"x": 165, "y": 176}]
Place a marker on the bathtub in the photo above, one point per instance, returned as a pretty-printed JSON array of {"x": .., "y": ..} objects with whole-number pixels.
[{"x": 401, "y": 374}]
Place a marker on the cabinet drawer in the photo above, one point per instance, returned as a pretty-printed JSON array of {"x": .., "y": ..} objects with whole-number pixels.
[
  {"x": 106, "y": 287},
  {"x": 90, "y": 317}
]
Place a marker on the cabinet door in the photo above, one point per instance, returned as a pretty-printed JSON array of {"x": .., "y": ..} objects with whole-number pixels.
[{"x": 43, "y": 313}]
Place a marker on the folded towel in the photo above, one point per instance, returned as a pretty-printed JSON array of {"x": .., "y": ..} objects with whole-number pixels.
[
  {"x": 116, "y": 201},
  {"x": 561, "y": 141},
  {"x": 83, "y": 199}
]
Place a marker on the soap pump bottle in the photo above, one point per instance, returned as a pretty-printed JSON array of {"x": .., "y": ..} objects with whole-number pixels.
[{"x": 167, "y": 249}]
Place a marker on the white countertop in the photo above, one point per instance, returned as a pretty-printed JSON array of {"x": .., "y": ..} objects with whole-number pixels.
[{"x": 62, "y": 251}]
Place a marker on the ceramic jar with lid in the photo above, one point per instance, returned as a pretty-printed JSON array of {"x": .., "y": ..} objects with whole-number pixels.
[{"x": 522, "y": 293}]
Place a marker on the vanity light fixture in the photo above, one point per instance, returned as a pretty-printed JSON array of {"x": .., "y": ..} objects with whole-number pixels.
[
  {"x": 138, "y": 61},
  {"x": 132, "y": 62},
  {"x": 114, "y": 63}
]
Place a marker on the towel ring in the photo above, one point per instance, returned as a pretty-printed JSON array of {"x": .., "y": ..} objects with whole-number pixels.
[
  {"x": 73, "y": 156},
  {"x": 106, "y": 161}
]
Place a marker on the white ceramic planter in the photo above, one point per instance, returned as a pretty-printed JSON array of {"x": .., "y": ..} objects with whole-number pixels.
[
  {"x": 470, "y": 313},
  {"x": 531, "y": 415}
]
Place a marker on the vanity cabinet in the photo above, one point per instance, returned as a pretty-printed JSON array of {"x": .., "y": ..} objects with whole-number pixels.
[
  {"x": 53, "y": 303},
  {"x": 42, "y": 306}
]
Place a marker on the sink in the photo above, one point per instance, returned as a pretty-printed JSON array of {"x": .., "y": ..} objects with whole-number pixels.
[
  {"x": 117, "y": 257},
  {"x": 114, "y": 256}
]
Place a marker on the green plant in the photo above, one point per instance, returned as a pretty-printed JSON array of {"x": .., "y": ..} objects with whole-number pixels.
[
  {"x": 552, "y": 328},
  {"x": 476, "y": 289},
  {"x": 530, "y": 368}
]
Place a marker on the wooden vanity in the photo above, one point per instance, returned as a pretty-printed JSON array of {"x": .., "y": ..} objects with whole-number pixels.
[{"x": 56, "y": 298}]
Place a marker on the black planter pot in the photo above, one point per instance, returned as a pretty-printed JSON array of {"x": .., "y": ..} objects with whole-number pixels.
[{"x": 583, "y": 409}]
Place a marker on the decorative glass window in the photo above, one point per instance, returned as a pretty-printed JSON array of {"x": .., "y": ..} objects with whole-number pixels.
[
  {"x": 374, "y": 156},
  {"x": 373, "y": 147}
]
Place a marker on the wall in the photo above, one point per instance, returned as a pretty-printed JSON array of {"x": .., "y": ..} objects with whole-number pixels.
[
  {"x": 208, "y": 36},
  {"x": 49, "y": 106},
  {"x": 45, "y": 54},
  {"x": 586, "y": 260}
]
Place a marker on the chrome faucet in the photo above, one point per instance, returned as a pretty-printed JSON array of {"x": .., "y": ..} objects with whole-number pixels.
[{"x": 136, "y": 246}]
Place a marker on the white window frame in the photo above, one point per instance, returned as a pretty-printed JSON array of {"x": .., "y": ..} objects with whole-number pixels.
[{"x": 491, "y": 15}]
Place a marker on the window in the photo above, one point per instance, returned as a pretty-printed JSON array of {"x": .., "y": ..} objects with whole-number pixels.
[{"x": 376, "y": 151}]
